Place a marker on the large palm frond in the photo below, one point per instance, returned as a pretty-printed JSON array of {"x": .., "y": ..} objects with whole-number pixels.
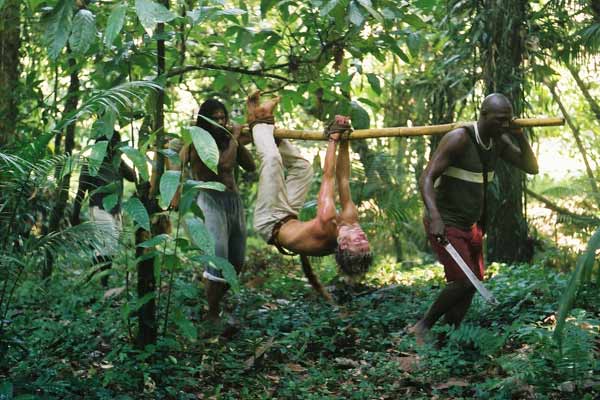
[{"x": 120, "y": 97}]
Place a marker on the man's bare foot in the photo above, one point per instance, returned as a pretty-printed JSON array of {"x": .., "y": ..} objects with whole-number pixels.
[
  {"x": 260, "y": 112},
  {"x": 419, "y": 330}
]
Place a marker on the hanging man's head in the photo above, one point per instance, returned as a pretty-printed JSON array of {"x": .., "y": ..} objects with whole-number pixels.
[
  {"x": 353, "y": 253},
  {"x": 495, "y": 114}
]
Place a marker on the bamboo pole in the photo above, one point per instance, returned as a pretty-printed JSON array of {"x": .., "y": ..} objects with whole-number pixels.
[{"x": 408, "y": 131}]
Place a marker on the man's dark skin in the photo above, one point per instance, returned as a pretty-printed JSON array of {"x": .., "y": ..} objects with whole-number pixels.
[
  {"x": 229, "y": 158},
  {"x": 494, "y": 125}
]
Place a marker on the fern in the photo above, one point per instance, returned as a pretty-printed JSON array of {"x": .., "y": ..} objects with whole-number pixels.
[{"x": 120, "y": 97}]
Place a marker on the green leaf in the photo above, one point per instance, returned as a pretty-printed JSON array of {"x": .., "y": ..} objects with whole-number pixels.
[
  {"x": 187, "y": 328},
  {"x": 6, "y": 387},
  {"x": 115, "y": 23},
  {"x": 223, "y": 265},
  {"x": 360, "y": 116},
  {"x": 355, "y": 16},
  {"x": 151, "y": 13},
  {"x": 169, "y": 182},
  {"x": 582, "y": 271},
  {"x": 374, "y": 82},
  {"x": 266, "y": 5},
  {"x": 232, "y": 11},
  {"x": 158, "y": 239},
  {"x": 426, "y": 5},
  {"x": 1, "y": 4},
  {"x": 328, "y": 7},
  {"x": 369, "y": 7},
  {"x": 414, "y": 21},
  {"x": 105, "y": 126},
  {"x": 172, "y": 156},
  {"x": 200, "y": 236},
  {"x": 205, "y": 147},
  {"x": 138, "y": 159},
  {"x": 414, "y": 43},
  {"x": 58, "y": 27},
  {"x": 212, "y": 185},
  {"x": 83, "y": 34},
  {"x": 110, "y": 201},
  {"x": 137, "y": 212},
  {"x": 97, "y": 156}
]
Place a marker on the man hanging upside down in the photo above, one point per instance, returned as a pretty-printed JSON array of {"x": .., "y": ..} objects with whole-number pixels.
[{"x": 280, "y": 197}]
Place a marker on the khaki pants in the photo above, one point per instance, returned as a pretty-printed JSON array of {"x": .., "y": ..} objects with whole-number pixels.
[
  {"x": 279, "y": 195},
  {"x": 111, "y": 226}
]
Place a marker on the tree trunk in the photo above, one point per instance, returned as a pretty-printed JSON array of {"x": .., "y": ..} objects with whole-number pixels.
[
  {"x": 10, "y": 42},
  {"x": 502, "y": 57},
  {"x": 62, "y": 193},
  {"x": 148, "y": 324},
  {"x": 575, "y": 129}
]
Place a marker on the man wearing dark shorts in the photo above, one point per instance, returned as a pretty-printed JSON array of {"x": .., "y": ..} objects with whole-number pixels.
[
  {"x": 223, "y": 211},
  {"x": 452, "y": 187}
]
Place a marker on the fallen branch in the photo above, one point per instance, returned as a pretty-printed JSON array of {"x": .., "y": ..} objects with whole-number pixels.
[
  {"x": 587, "y": 219},
  {"x": 408, "y": 131}
]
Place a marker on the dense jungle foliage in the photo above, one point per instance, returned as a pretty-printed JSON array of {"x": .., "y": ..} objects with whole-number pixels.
[{"x": 73, "y": 72}]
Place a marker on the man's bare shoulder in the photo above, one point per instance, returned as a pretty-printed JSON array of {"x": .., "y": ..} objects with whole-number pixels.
[
  {"x": 308, "y": 237},
  {"x": 455, "y": 140}
]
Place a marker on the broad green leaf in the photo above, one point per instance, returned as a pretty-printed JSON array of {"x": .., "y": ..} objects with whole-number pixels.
[
  {"x": 169, "y": 182},
  {"x": 195, "y": 15},
  {"x": 143, "y": 300},
  {"x": 110, "y": 201},
  {"x": 115, "y": 23},
  {"x": 200, "y": 236},
  {"x": 83, "y": 33},
  {"x": 58, "y": 27},
  {"x": 172, "y": 156},
  {"x": 158, "y": 239},
  {"x": 108, "y": 188},
  {"x": 105, "y": 126},
  {"x": 266, "y": 5},
  {"x": 187, "y": 328},
  {"x": 369, "y": 7},
  {"x": 355, "y": 15},
  {"x": 205, "y": 147},
  {"x": 209, "y": 185},
  {"x": 414, "y": 43},
  {"x": 426, "y": 5},
  {"x": 328, "y": 7},
  {"x": 1, "y": 4},
  {"x": 360, "y": 116},
  {"x": 151, "y": 13},
  {"x": 232, "y": 11},
  {"x": 138, "y": 159},
  {"x": 414, "y": 21},
  {"x": 374, "y": 82},
  {"x": 137, "y": 212},
  {"x": 228, "y": 270},
  {"x": 97, "y": 156}
]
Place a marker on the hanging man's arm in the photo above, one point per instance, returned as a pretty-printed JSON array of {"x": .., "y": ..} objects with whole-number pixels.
[{"x": 521, "y": 155}]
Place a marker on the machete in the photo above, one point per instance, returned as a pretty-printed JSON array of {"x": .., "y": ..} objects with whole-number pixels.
[{"x": 486, "y": 294}]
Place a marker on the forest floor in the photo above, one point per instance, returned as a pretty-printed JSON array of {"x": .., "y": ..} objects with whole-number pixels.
[{"x": 70, "y": 339}]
